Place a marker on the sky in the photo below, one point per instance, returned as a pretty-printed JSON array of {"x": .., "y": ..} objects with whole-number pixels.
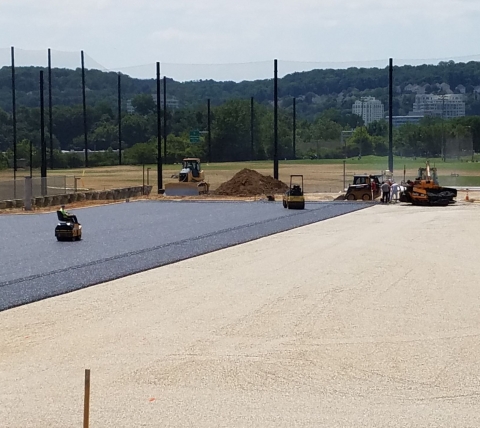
[{"x": 227, "y": 40}]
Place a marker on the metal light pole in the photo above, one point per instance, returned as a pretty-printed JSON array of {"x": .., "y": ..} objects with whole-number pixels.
[
  {"x": 252, "y": 147},
  {"x": 85, "y": 131},
  {"x": 14, "y": 123},
  {"x": 159, "y": 135},
  {"x": 119, "y": 88},
  {"x": 294, "y": 130},
  {"x": 390, "y": 116},
  {"x": 50, "y": 104},
  {"x": 275, "y": 120},
  {"x": 209, "y": 130}
]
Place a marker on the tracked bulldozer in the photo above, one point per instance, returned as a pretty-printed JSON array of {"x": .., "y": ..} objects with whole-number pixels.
[
  {"x": 191, "y": 180},
  {"x": 426, "y": 191}
]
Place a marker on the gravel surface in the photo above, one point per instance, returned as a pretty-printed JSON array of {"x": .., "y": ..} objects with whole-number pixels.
[
  {"x": 122, "y": 239},
  {"x": 366, "y": 320}
]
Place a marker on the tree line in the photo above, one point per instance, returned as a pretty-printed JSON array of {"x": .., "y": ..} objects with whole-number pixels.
[
  {"x": 315, "y": 90},
  {"x": 231, "y": 131}
]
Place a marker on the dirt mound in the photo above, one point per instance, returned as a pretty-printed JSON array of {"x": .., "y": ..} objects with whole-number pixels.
[{"x": 248, "y": 182}]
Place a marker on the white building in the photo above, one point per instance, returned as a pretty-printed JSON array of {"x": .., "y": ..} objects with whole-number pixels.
[
  {"x": 369, "y": 109},
  {"x": 447, "y": 106}
]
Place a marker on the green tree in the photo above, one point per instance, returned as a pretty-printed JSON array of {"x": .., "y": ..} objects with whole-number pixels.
[{"x": 144, "y": 104}]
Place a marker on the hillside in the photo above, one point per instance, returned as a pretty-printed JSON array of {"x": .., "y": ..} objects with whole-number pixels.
[{"x": 315, "y": 90}]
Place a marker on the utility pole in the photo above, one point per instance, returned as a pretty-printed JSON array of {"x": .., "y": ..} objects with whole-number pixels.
[
  {"x": 275, "y": 120},
  {"x": 390, "y": 116}
]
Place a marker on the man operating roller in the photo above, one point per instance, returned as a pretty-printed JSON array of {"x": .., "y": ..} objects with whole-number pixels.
[{"x": 67, "y": 216}]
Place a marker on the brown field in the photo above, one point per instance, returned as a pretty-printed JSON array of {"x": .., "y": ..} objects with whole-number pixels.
[
  {"x": 318, "y": 178},
  {"x": 322, "y": 181}
]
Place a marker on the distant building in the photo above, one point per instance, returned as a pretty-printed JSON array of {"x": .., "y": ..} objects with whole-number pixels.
[
  {"x": 447, "y": 106},
  {"x": 402, "y": 120},
  {"x": 369, "y": 109}
]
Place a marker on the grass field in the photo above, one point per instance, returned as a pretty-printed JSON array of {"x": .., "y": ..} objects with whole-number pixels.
[{"x": 325, "y": 175}]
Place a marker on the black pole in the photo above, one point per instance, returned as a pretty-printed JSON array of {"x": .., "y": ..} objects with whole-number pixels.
[
  {"x": 252, "y": 143},
  {"x": 84, "y": 111},
  {"x": 14, "y": 116},
  {"x": 50, "y": 112},
  {"x": 31, "y": 158},
  {"x": 165, "y": 118},
  {"x": 209, "y": 124},
  {"x": 43, "y": 143},
  {"x": 275, "y": 120},
  {"x": 390, "y": 116},
  {"x": 294, "y": 131},
  {"x": 119, "y": 119},
  {"x": 159, "y": 135}
]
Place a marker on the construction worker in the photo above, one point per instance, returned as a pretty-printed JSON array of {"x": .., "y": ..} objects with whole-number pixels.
[
  {"x": 394, "y": 189},
  {"x": 385, "y": 192},
  {"x": 67, "y": 216}
]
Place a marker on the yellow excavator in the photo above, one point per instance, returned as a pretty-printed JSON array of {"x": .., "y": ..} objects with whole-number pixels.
[
  {"x": 191, "y": 180},
  {"x": 425, "y": 190}
]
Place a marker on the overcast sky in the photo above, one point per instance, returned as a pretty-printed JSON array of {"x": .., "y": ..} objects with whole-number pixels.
[{"x": 132, "y": 35}]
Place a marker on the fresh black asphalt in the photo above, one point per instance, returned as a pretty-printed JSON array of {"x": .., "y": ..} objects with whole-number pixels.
[{"x": 123, "y": 239}]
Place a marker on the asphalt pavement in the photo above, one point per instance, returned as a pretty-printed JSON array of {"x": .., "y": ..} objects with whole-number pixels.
[{"x": 123, "y": 239}]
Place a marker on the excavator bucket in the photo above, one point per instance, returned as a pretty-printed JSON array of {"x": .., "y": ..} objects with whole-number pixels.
[{"x": 185, "y": 189}]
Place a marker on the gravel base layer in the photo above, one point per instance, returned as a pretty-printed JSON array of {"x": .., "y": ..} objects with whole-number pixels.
[
  {"x": 123, "y": 239},
  {"x": 365, "y": 320}
]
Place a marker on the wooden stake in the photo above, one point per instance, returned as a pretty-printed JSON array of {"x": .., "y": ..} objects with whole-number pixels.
[{"x": 86, "y": 405}]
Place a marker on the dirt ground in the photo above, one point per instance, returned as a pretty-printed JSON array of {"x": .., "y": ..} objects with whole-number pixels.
[
  {"x": 331, "y": 325},
  {"x": 318, "y": 178}
]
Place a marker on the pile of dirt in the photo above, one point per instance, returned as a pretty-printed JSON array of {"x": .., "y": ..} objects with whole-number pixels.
[{"x": 248, "y": 182}]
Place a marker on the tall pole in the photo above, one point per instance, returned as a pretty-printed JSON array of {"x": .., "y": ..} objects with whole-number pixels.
[
  {"x": 165, "y": 118},
  {"x": 14, "y": 117},
  {"x": 390, "y": 116},
  {"x": 84, "y": 111},
  {"x": 119, "y": 84},
  {"x": 31, "y": 158},
  {"x": 43, "y": 143},
  {"x": 275, "y": 120},
  {"x": 209, "y": 129},
  {"x": 159, "y": 135},
  {"x": 252, "y": 142},
  {"x": 294, "y": 130},
  {"x": 50, "y": 112}
]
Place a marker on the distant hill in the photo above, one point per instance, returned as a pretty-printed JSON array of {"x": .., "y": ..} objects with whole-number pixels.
[{"x": 315, "y": 90}]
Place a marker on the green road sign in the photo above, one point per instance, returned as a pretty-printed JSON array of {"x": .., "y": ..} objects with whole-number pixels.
[{"x": 195, "y": 136}]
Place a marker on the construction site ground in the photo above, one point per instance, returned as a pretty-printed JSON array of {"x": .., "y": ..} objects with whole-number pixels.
[
  {"x": 368, "y": 319},
  {"x": 321, "y": 177}
]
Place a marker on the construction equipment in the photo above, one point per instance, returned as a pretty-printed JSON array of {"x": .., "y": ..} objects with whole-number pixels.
[
  {"x": 426, "y": 191},
  {"x": 191, "y": 180},
  {"x": 362, "y": 188},
  {"x": 68, "y": 228},
  {"x": 293, "y": 198}
]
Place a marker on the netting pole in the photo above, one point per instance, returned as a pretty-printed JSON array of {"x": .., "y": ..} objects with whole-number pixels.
[
  {"x": 275, "y": 120},
  {"x": 294, "y": 131},
  {"x": 31, "y": 158},
  {"x": 84, "y": 110},
  {"x": 14, "y": 123},
  {"x": 159, "y": 135},
  {"x": 50, "y": 112},
  {"x": 119, "y": 87},
  {"x": 165, "y": 119},
  {"x": 252, "y": 143},
  {"x": 390, "y": 115},
  {"x": 43, "y": 144},
  {"x": 209, "y": 130}
]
